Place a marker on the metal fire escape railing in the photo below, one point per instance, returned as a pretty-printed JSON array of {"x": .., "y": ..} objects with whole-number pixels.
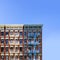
[{"x": 33, "y": 43}]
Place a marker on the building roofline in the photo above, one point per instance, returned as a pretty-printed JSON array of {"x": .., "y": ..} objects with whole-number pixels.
[
  {"x": 33, "y": 24},
  {"x": 21, "y": 25}
]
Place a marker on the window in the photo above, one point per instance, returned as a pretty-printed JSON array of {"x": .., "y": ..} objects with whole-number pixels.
[
  {"x": 35, "y": 40},
  {"x": 16, "y": 57},
  {"x": 11, "y": 33},
  {"x": 2, "y": 33},
  {"x": 6, "y": 41},
  {"x": 35, "y": 26},
  {"x": 29, "y": 48},
  {"x": 2, "y": 57},
  {"x": 16, "y": 41},
  {"x": 36, "y": 48},
  {"x": 25, "y": 41},
  {"x": 25, "y": 33},
  {"x": 21, "y": 33},
  {"x": 16, "y": 49},
  {"x": 32, "y": 41},
  {"x": 39, "y": 49},
  {"x": 39, "y": 33},
  {"x": 21, "y": 57},
  {"x": 6, "y": 33},
  {"x": 29, "y": 40},
  {"x": 29, "y": 33},
  {"x": 11, "y": 57},
  {"x": 36, "y": 57},
  {"x": 29, "y": 26},
  {"x": 11, "y": 48},
  {"x": 39, "y": 40},
  {"x": 2, "y": 41},
  {"x": 6, "y": 57},
  {"x": 25, "y": 49},
  {"x": 2, "y": 49},
  {"x": 11, "y": 41},
  {"x": 34, "y": 33},
  {"x": 20, "y": 48},
  {"x": 20, "y": 41},
  {"x": 29, "y": 57},
  {"x": 25, "y": 57},
  {"x": 39, "y": 26},
  {"x": 16, "y": 33},
  {"x": 6, "y": 49}
]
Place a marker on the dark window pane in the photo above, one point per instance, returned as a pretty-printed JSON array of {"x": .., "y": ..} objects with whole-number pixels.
[
  {"x": 34, "y": 33},
  {"x": 20, "y": 48},
  {"x": 2, "y": 41},
  {"x": 2, "y": 49},
  {"x": 20, "y": 33},
  {"x": 29, "y": 40},
  {"x": 25, "y": 57},
  {"x": 39, "y": 49},
  {"x": 25, "y": 33},
  {"x": 20, "y": 41},
  {"x": 7, "y": 41},
  {"x": 2, "y": 33},
  {"x": 6, "y": 33},
  {"x": 39, "y": 40},
  {"x": 25, "y": 41},
  {"x": 21, "y": 57}
]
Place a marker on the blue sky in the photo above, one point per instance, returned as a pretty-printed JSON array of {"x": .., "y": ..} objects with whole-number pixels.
[{"x": 36, "y": 12}]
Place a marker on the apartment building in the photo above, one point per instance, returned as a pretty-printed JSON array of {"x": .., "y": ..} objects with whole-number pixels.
[{"x": 21, "y": 42}]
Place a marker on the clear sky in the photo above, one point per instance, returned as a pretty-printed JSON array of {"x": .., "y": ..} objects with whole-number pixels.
[{"x": 46, "y": 12}]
